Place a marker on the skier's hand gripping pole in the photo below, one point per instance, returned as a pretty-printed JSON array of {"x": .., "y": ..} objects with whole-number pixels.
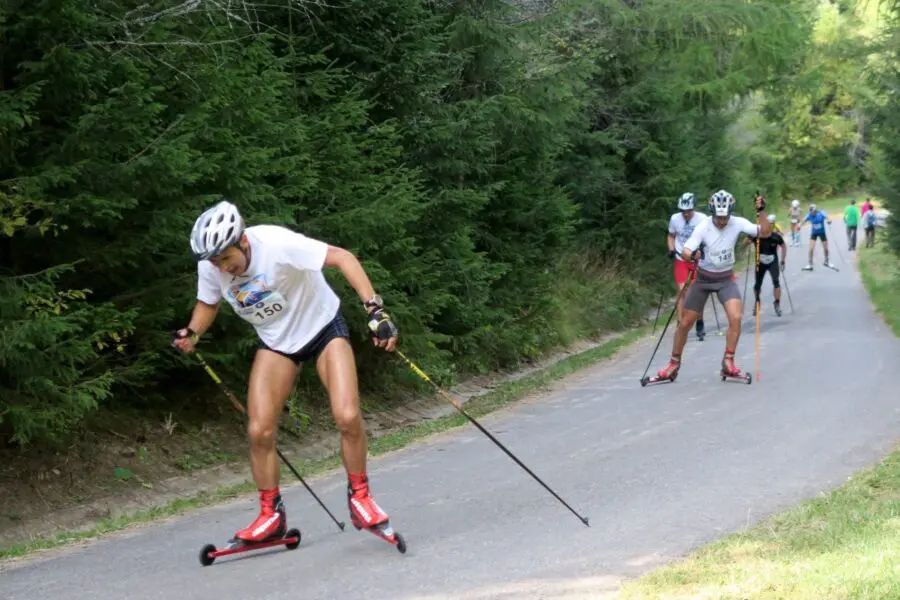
[
  {"x": 240, "y": 407},
  {"x": 472, "y": 420}
]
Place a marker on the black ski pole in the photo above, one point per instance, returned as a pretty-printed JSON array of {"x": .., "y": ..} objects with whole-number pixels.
[
  {"x": 662, "y": 294},
  {"x": 665, "y": 328},
  {"x": 472, "y": 420},
  {"x": 242, "y": 410},
  {"x": 786, "y": 287},
  {"x": 716, "y": 313},
  {"x": 746, "y": 279}
]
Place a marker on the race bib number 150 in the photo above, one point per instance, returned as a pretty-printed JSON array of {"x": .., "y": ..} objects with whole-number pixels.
[{"x": 266, "y": 309}]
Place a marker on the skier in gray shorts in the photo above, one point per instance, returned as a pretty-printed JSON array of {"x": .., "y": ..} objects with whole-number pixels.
[{"x": 718, "y": 237}]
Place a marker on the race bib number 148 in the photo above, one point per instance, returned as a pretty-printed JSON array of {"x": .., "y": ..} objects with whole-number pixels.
[{"x": 722, "y": 258}]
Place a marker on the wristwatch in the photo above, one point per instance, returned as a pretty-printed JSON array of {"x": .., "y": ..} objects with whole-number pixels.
[{"x": 375, "y": 302}]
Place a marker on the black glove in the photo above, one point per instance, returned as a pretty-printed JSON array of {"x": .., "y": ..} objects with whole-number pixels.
[
  {"x": 760, "y": 203},
  {"x": 381, "y": 326},
  {"x": 671, "y": 255},
  {"x": 185, "y": 332}
]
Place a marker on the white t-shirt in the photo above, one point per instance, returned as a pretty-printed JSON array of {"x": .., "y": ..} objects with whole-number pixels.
[
  {"x": 718, "y": 255},
  {"x": 283, "y": 294},
  {"x": 683, "y": 229}
]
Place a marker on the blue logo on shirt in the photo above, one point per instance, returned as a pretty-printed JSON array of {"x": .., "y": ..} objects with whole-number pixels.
[{"x": 250, "y": 292}]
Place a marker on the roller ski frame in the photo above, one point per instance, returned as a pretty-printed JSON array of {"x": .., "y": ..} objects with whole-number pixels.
[
  {"x": 650, "y": 379},
  {"x": 809, "y": 268},
  {"x": 209, "y": 553},
  {"x": 670, "y": 378},
  {"x": 385, "y": 532},
  {"x": 740, "y": 376}
]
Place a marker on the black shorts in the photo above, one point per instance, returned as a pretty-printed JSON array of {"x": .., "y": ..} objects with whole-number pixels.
[
  {"x": 337, "y": 328},
  {"x": 819, "y": 236},
  {"x": 771, "y": 269}
]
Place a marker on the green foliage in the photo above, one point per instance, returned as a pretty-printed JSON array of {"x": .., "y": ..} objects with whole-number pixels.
[
  {"x": 494, "y": 176},
  {"x": 51, "y": 342},
  {"x": 817, "y": 116},
  {"x": 884, "y": 165}
]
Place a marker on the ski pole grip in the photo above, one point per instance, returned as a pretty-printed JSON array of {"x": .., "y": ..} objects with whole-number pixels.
[{"x": 177, "y": 334}]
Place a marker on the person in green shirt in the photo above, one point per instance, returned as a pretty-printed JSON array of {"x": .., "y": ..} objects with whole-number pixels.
[{"x": 851, "y": 221}]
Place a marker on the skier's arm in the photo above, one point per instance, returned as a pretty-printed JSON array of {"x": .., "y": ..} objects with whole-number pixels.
[
  {"x": 202, "y": 317},
  {"x": 352, "y": 270},
  {"x": 380, "y": 324},
  {"x": 209, "y": 293},
  {"x": 765, "y": 228},
  {"x": 205, "y": 310},
  {"x": 687, "y": 253},
  {"x": 670, "y": 239}
]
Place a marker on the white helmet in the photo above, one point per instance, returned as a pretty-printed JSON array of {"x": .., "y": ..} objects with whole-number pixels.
[
  {"x": 721, "y": 204},
  {"x": 216, "y": 229},
  {"x": 686, "y": 202},
  {"x": 795, "y": 203},
  {"x": 771, "y": 218},
  {"x": 812, "y": 207}
]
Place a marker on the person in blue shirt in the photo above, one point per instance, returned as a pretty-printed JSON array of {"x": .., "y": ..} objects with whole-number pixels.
[{"x": 817, "y": 220}]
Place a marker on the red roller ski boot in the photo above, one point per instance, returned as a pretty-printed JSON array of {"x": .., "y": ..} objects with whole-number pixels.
[
  {"x": 667, "y": 373},
  {"x": 267, "y": 530},
  {"x": 365, "y": 514},
  {"x": 729, "y": 371}
]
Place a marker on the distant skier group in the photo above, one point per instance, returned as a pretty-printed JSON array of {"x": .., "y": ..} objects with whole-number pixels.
[{"x": 703, "y": 250}]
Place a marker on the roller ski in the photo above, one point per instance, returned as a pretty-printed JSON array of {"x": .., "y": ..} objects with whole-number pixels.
[
  {"x": 668, "y": 373},
  {"x": 366, "y": 515},
  {"x": 731, "y": 372},
  {"x": 268, "y": 530},
  {"x": 828, "y": 265}
]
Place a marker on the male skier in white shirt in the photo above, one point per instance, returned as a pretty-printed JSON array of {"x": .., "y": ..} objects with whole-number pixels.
[
  {"x": 272, "y": 278},
  {"x": 718, "y": 235}
]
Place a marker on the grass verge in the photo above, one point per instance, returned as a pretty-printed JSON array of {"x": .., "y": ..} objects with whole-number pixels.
[
  {"x": 505, "y": 394},
  {"x": 844, "y": 544},
  {"x": 880, "y": 271}
]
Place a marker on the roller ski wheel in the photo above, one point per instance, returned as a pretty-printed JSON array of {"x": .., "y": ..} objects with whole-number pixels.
[
  {"x": 385, "y": 532},
  {"x": 209, "y": 553}
]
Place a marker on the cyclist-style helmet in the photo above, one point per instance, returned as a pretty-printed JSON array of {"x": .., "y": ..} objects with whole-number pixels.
[
  {"x": 686, "y": 202},
  {"x": 795, "y": 203},
  {"x": 772, "y": 219},
  {"x": 721, "y": 204},
  {"x": 215, "y": 230}
]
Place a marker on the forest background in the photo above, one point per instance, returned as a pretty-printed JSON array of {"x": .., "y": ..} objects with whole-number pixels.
[{"x": 504, "y": 170}]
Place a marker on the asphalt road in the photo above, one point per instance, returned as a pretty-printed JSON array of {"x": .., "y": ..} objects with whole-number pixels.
[{"x": 658, "y": 470}]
